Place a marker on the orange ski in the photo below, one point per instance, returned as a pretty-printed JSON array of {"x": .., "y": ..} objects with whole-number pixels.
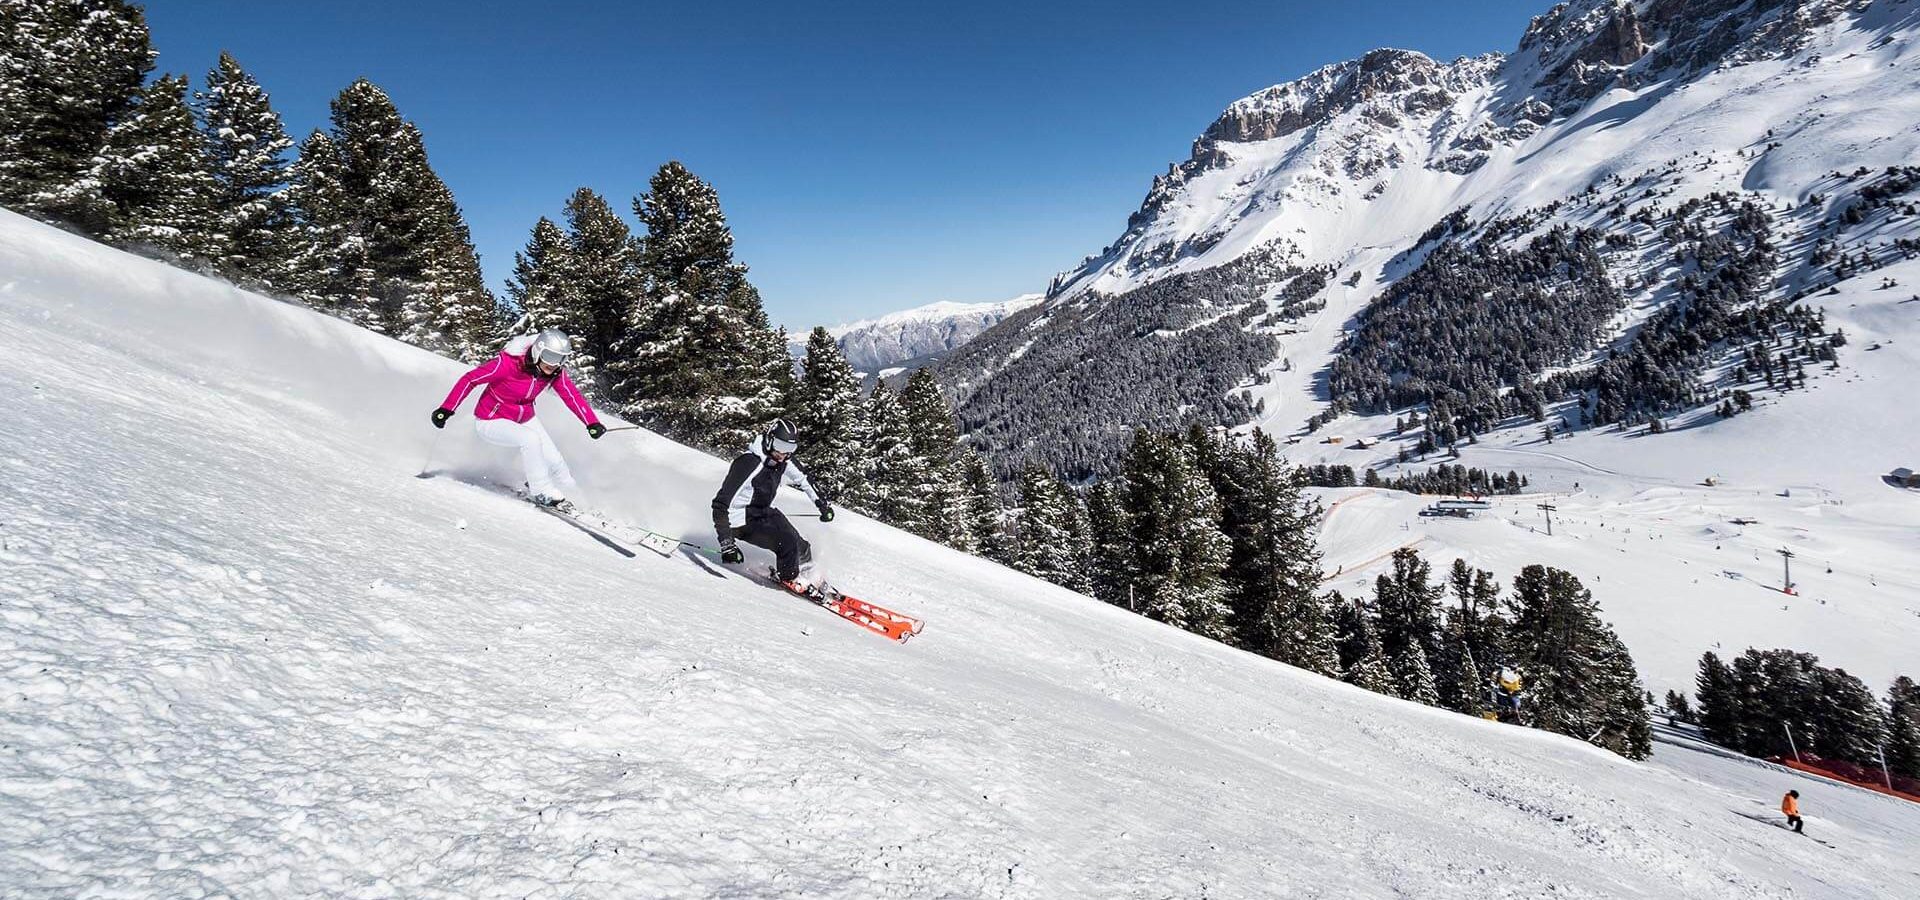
[{"x": 878, "y": 619}]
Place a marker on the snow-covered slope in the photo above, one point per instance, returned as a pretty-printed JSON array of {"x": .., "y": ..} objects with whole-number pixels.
[
  {"x": 1683, "y": 566},
  {"x": 243, "y": 651},
  {"x": 915, "y": 337},
  {"x": 1606, "y": 110},
  {"x": 1369, "y": 153}
]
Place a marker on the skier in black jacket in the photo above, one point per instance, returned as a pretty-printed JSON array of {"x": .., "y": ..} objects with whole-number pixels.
[{"x": 743, "y": 509}]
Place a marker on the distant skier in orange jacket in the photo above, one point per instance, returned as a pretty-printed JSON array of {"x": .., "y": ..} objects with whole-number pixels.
[{"x": 1790, "y": 804}]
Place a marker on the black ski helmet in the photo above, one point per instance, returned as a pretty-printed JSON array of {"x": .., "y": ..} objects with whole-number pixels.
[{"x": 781, "y": 437}]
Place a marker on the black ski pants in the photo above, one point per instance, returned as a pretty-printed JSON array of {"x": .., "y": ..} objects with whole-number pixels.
[
  {"x": 769, "y": 529},
  {"x": 1798, "y": 825}
]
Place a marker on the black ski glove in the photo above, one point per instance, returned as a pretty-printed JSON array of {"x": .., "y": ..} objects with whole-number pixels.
[
  {"x": 826, "y": 511},
  {"x": 596, "y": 430},
  {"x": 440, "y": 417},
  {"x": 730, "y": 552}
]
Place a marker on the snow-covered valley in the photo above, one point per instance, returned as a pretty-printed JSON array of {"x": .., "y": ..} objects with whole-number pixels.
[{"x": 244, "y": 651}]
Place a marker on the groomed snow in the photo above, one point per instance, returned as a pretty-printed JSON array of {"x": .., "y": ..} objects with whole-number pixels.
[{"x": 243, "y": 651}]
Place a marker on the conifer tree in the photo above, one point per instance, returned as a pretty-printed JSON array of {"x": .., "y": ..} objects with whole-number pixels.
[
  {"x": 1110, "y": 562},
  {"x": 326, "y": 266},
  {"x": 1679, "y": 707},
  {"x": 1274, "y": 566},
  {"x": 1848, "y": 722},
  {"x": 935, "y": 441},
  {"x": 1581, "y": 680},
  {"x": 1412, "y": 677},
  {"x": 698, "y": 359},
  {"x": 1719, "y": 695},
  {"x": 603, "y": 261},
  {"x": 69, "y": 71},
  {"x": 1361, "y": 656},
  {"x": 826, "y": 409},
  {"x": 433, "y": 268},
  {"x": 150, "y": 185},
  {"x": 1051, "y": 530},
  {"x": 543, "y": 285},
  {"x": 1404, "y": 601},
  {"x": 382, "y": 241},
  {"x": 892, "y": 477},
  {"x": 248, "y": 148},
  {"x": 985, "y": 532},
  {"x": 1177, "y": 542},
  {"x": 1468, "y": 693},
  {"x": 1903, "y": 731}
]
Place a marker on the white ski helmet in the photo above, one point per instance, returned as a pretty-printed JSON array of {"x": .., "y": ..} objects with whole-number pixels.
[
  {"x": 781, "y": 437},
  {"x": 552, "y": 347}
]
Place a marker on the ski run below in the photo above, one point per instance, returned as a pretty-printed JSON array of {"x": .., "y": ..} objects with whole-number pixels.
[{"x": 245, "y": 652}]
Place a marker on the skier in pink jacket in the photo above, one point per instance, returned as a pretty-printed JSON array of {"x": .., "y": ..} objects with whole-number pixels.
[{"x": 524, "y": 368}]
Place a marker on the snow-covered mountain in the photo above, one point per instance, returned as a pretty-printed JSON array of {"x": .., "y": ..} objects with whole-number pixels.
[
  {"x": 245, "y": 652},
  {"x": 916, "y": 337},
  {"x": 1263, "y": 259}
]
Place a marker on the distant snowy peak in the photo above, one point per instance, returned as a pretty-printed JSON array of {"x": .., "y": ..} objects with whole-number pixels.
[
  {"x": 1294, "y": 167},
  {"x": 916, "y": 335},
  {"x": 1315, "y": 146}
]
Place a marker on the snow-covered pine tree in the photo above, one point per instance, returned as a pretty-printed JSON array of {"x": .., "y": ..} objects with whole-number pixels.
[
  {"x": 826, "y": 408},
  {"x": 936, "y": 441},
  {"x": 1404, "y": 603},
  {"x": 69, "y": 71},
  {"x": 327, "y": 261},
  {"x": 1626, "y": 724},
  {"x": 432, "y": 266},
  {"x": 607, "y": 283},
  {"x": 1273, "y": 569},
  {"x": 1051, "y": 529},
  {"x": 543, "y": 285},
  {"x": 1361, "y": 657},
  {"x": 248, "y": 147},
  {"x": 1110, "y": 561},
  {"x": 1178, "y": 549},
  {"x": 985, "y": 532},
  {"x": 1719, "y": 702},
  {"x": 892, "y": 476},
  {"x": 383, "y": 243},
  {"x": 1473, "y": 638},
  {"x": 150, "y": 185},
  {"x": 1679, "y": 707},
  {"x": 1581, "y": 682},
  {"x": 697, "y": 360},
  {"x": 1412, "y": 677},
  {"x": 1848, "y": 722},
  {"x": 1903, "y": 727},
  {"x": 1468, "y": 692}
]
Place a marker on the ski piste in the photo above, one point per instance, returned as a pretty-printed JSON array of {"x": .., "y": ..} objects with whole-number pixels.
[{"x": 894, "y": 626}]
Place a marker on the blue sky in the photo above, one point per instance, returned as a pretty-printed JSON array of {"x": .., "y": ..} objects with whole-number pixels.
[{"x": 870, "y": 156}]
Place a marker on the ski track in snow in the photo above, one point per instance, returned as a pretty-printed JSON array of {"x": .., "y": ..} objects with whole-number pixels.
[{"x": 243, "y": 651}]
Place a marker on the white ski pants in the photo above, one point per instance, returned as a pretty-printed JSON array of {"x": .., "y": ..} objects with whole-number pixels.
[{"x": 546, "y": 472}]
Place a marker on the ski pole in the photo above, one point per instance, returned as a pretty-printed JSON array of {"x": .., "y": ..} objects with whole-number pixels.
[
  {"x": 432, "y": 448},
  {"x": 624, "y": 428}
]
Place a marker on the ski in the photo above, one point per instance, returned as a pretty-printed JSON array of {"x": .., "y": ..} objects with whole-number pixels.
[
  {"x": 881, "y": 620},
  {"x": 595, "y": 533},
  {"x": 878, "y": 619}
]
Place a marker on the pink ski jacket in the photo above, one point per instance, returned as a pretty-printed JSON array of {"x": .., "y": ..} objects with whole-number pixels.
[{"x": 511, "y": 389}]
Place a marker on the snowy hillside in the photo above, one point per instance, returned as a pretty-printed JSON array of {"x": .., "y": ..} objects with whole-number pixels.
[
  {"x": 1256, "y": 264},
  {"x": 914, "y": 337},
  {"x": 245, "y": 652}
]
